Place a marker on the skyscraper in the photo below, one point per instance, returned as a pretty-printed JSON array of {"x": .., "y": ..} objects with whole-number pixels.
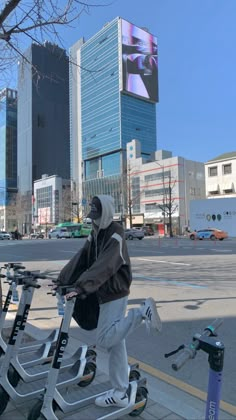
[
  {"x": 114, "y": 92},
  {"x": 43, "y": 118},
  {"x": 8, "y": 155}
]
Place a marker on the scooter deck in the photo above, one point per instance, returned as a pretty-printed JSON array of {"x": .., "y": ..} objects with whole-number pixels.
[{"x": 89, "y": 410}]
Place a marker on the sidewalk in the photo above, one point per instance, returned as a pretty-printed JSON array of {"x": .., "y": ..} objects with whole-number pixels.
[{"x": 165, "y": 400}]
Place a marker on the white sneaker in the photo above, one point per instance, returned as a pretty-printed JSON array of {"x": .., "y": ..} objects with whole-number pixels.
[
  {"x": 112, "y": 399},
  {"x": 150, "y": 314}
]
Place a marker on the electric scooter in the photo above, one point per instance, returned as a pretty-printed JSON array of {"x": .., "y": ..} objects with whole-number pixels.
[
  {"x": 82, "y": 371},
  {"x": 53, "y": 397},
  {"x": 12, "y": 270},
  {"x": 207, "y": 342},
  {"x": 41, "y": 350}
]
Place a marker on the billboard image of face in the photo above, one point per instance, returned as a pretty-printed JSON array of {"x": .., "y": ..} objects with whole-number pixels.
[{"x": 139, "y": 62}]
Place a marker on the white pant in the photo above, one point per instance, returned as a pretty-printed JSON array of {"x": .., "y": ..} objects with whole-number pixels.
[{"x": 113, "y": 327}]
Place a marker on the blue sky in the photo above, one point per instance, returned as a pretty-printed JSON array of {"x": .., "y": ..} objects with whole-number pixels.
[{"x": 196, "y": 115}]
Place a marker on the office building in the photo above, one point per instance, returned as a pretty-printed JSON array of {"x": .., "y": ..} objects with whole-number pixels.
[
  {"x": 163, "y": 181},
  {"x": 43, "y": 119},
  {"x": 114, "y": 91},
  {"x": 8, "y": 158}
]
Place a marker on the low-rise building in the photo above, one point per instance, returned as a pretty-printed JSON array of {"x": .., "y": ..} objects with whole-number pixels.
[
  {"x": 162, "y": 180},
  {"x": 220, "y": 174},
  {"x": 51, "y": 202}
]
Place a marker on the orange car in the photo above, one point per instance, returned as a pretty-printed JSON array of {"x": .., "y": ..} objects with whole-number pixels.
[{"x": 209, "y": 233}]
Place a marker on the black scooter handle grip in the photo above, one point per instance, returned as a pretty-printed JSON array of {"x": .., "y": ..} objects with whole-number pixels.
[
  {"x": 18, "y": 267},
  {"x": 186, "y": 354}
]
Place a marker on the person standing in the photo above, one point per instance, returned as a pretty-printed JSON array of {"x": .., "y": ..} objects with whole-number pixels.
[{"x": 103, "y": 266}]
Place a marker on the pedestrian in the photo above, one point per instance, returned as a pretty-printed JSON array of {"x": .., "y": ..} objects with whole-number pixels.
[{"x": 103, "y": 266}]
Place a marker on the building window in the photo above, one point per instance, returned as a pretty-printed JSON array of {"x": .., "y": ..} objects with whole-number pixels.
[
  {"x": 212, "y": 171},
  {"x": 227, "y": 169}
]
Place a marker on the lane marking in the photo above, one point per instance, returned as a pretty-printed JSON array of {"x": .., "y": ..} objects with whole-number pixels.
[
  {"x": 162, "y": 262},
  {"x": 221, "y": 250},
  {"x": 169, "y": 281},
  {"x": 183, "y": 386}
]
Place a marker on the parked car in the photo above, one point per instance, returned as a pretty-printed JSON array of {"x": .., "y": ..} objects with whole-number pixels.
[
  {"x": 209, "y": 233},
  {"x": 134, "y": 233},
  {"x": 37, "y": 235},
  {"x": 4, "y": 235},
  {"x": 148, "y": 230},
  {"x": 58, "y": 233}
]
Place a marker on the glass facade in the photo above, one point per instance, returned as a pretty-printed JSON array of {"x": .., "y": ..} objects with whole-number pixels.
[
  {"x": 138, "y": 121},
  {"x": 43, "y": 115},
  {"x": 8, "y": 144},
  {"x": 109, "y": 118},
  {"x": 44, "y": 200},
  {"x": 111, "y": 185},
  {"x": 100, "y": 93}
]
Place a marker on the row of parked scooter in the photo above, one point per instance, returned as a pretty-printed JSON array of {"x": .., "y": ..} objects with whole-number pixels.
[{"x": 41, "y": 371}]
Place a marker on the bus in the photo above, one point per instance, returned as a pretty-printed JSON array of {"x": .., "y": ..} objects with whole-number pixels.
[{"x": 75, "y": 230}]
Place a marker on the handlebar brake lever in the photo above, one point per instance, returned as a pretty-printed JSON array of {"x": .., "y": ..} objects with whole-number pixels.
[{"x": 166, "y": 355}]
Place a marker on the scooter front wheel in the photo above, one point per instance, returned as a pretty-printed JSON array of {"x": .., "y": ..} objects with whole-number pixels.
[
  {"x": 4, "y": 398},
  {"x": 134, "y": 375},
  {"x": 89, "y": 373},
  {"x": 140, "y": 401},
  {"x": 35, "y": 412}
]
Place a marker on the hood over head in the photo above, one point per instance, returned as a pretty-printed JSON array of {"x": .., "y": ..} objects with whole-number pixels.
[{"x": 105, "y": 217}]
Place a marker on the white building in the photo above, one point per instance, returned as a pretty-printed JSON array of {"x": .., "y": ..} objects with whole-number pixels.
[
  {"x": 220, "y": 174},
  {"x": 153, "y": 180},
  {"x": 52, "y": 202}
]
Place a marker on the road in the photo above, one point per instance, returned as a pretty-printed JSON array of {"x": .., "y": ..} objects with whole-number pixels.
[{"x": 193, "y": 282}]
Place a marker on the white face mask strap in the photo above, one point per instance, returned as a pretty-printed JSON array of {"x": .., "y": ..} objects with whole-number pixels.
[{"x": 97, "y": 221}]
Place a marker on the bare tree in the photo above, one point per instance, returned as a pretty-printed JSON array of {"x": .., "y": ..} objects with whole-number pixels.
[
  {"x": 169, "y": 206},
  {"x": 26, "y": 21},
  {"x": 133, "y": 194}
]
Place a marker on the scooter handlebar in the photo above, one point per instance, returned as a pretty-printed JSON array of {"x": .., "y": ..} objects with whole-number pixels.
[
  {"x": 213, "y": 327},
  {"x": 190, "y": 351},
  {"x": 33, "y": 274}
]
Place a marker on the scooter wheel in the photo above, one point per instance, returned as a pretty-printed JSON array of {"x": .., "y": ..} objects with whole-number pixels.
[
  {"x": 35, "y": 412},
  {"x": 13, "y": 376},
  {"x": 134, "y": 375},
  {"x": 4, "y": 398},
  {"x": 90, "y": 353},
  {"x": 90, "y": 369},
  {"x": 141, "y": 397}
]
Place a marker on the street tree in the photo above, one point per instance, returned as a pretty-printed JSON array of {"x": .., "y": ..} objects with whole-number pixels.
[
  {"x": 26, "y": 21},
  {"x": 169, "y": 206}
]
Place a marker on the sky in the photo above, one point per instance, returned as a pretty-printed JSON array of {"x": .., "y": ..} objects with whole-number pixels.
[{"x": 196, "y": 113}]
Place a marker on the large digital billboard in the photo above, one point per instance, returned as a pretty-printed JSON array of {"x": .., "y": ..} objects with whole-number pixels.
[{"x": 139, "y": 62}]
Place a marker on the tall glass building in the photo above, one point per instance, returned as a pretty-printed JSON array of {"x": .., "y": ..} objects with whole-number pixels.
[
  {"x": 114, "y": 91},
  {"x": 43, "y": 119},
  {"x": 8, "y": 153}
]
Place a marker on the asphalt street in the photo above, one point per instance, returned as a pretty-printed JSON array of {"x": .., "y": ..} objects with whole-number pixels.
[{"x": 193, "y": 282}]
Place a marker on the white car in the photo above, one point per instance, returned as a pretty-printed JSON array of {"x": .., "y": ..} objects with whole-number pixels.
[
  {"x": 134, "y": 233},
  {"x": 4, "y": 235},
  {"x": 58, "y": 233}
]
